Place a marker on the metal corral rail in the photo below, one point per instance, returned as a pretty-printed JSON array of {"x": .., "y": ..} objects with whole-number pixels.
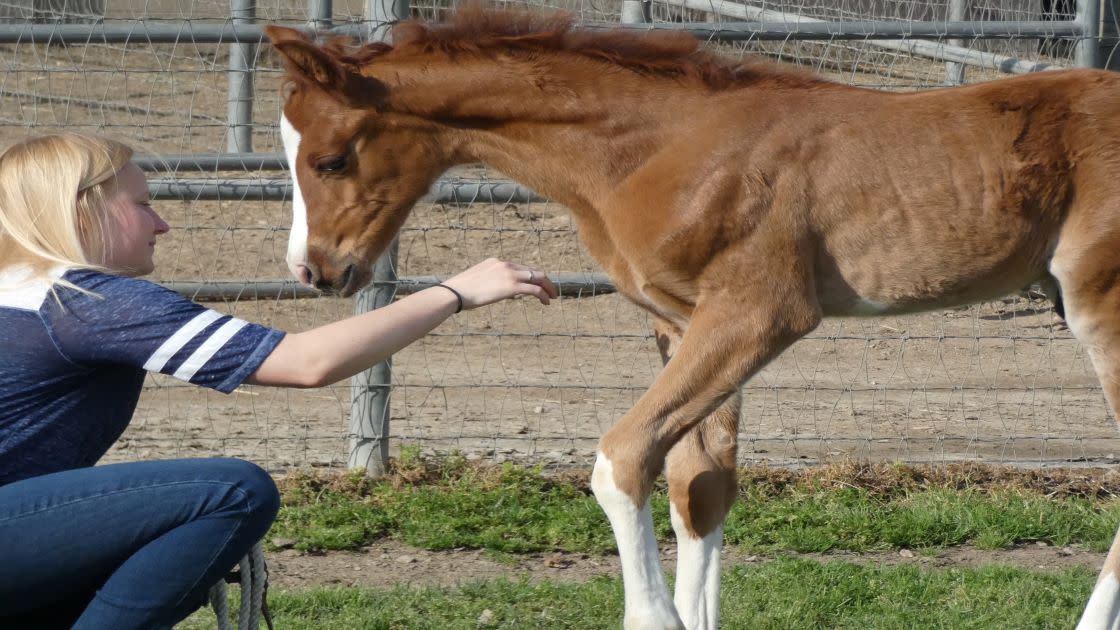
[{"x": 369, "y": 410}]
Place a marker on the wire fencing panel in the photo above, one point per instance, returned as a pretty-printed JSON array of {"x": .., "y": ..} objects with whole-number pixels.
[
  {"x": 171, "y": 99},
  {"x": 999, "y": 382}
]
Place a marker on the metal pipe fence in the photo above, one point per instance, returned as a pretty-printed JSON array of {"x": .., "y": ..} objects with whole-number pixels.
[
  {"x": 236, "y": 32},
  {"x": 513, "y": 381}
]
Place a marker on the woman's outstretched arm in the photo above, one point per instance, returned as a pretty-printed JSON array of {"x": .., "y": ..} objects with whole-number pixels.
[{"x": 330, "y": 353}]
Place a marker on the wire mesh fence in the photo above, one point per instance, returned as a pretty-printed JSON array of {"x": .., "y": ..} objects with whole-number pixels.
[{"x": 1002, "y": 382}]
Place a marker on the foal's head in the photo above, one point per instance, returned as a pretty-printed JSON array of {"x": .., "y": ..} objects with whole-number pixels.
[
  {"x": 368, "y": 130},
  {"x": 357, "y": 167}
]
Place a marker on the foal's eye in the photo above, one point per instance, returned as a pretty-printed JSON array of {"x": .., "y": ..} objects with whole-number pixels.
[{"x": 331, "y": 164}]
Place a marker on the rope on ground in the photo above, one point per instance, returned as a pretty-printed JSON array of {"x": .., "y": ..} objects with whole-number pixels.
[{"x": 252, "y": 574}]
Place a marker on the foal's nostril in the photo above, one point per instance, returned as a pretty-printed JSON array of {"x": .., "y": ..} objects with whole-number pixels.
[
  {"x": 308, "y": 274},
  {"x": 347, "y": 275},
  {"x": 303, "y": 274}
]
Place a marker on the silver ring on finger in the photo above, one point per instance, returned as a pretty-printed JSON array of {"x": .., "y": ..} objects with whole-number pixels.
[{"x": 531, "y": 276}]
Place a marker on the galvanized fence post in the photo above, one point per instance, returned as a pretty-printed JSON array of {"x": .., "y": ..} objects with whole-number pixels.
[
  {"x": 1110, "y": 35},
  {"x": 636, "y": 12},
  {"x": 239, "y": 102},
  {"x": 955, "y": 70},
  {"x": 1088, "y": 53},
  {"x": 370, "y": 391},
  {"x": 320, "y": 14}
]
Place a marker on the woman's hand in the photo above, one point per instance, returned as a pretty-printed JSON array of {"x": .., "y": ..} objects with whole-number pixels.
[{"x": 493, "y": 280}]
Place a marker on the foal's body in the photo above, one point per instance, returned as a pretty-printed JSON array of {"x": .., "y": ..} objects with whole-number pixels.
[
  {"x": 737, "y": 205},
  {"x": 897, "y": 211}
]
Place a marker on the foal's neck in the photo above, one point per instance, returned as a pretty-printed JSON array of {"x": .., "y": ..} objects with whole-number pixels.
[{"x": 570, "y": 132}]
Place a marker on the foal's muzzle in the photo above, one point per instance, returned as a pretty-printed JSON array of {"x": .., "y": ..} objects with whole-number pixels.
[{"x": 343, "y": 278}]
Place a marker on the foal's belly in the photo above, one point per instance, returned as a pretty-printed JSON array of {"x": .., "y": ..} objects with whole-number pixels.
[{"x": 909, "y": 276}]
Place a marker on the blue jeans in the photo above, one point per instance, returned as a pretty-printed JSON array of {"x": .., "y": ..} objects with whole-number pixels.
[{"x": 123, "y": 546}]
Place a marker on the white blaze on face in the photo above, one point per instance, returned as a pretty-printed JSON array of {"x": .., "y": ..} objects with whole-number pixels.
[{"x": 297, "y": 239}]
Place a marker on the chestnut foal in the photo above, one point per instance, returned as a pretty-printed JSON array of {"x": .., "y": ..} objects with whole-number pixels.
[{"x": 737, "y": 203}]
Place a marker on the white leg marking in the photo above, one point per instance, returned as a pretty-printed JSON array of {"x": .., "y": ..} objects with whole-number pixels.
[
  {"x": 1103, "y": 610},
  {"x": 697, "y": 587},
  {"x": 648, "y": 606},
  {"x": 1073, "y": 321},
  {"x": 297, "y": 238},
  {"x": 864, "y": 306}
]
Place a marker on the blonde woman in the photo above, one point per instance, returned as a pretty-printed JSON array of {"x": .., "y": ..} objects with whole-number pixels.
[{"x": 138, "y": 545}]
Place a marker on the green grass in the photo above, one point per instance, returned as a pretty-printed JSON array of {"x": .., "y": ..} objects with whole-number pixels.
[
  {"x": 509, "y": 510},
  {"x": 782, "y": 594},
  {"x": 516, "y": 510},
  {"x": 851, "y": 519}
]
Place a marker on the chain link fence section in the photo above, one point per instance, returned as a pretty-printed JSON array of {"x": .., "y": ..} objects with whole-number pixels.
[{"x": 998, "y": 382}]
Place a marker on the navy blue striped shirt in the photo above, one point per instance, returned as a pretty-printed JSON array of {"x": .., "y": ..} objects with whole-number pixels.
[{"x": 71, "y": 368}]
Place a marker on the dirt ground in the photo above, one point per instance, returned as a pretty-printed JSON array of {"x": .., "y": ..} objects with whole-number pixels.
[
  {"x": 1002, "y": 382},
  {"x": 389, "y": 564},
  {"x": 998, "y": 382}
]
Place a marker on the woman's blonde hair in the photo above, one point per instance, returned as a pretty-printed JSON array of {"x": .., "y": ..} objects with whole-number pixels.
[{"x": 53, "y": 194}]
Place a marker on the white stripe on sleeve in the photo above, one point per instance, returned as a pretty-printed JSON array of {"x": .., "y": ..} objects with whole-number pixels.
[
  {"x": 209, "y": 348},
  {"x": 176, "y": 342}
]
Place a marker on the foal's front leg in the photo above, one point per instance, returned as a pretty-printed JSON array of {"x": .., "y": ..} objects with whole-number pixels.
[
  {"x": 730, "y": 337},
  {"x": 700, "y": 470}
]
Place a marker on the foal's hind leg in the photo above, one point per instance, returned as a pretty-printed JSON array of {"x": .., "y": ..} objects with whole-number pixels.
[
  {"x": 702, "y": 485},
  {"x": 1087, "y": 265}
]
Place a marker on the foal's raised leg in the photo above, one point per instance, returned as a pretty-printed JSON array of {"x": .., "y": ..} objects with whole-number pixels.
[
  {"x": 702, "y": 486},
  {"x": 1087, "y": 265},
  {"x": 731, "y": 335}
]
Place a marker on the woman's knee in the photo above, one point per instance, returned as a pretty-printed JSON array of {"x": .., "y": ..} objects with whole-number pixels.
[
  {"x": 264, "y": 496},
  {"x": 254, "y": 489}
]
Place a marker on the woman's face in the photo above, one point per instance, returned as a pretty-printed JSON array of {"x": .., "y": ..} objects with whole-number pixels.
[{"x": 131, "y": 225}]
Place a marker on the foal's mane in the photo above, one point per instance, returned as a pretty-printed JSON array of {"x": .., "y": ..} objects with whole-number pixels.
[{"x": 478, "y": 30}]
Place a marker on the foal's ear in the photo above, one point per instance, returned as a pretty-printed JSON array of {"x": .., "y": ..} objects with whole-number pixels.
[
  {"x": 280, "y": 33},
  {"x": 304, "y": 58}
]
